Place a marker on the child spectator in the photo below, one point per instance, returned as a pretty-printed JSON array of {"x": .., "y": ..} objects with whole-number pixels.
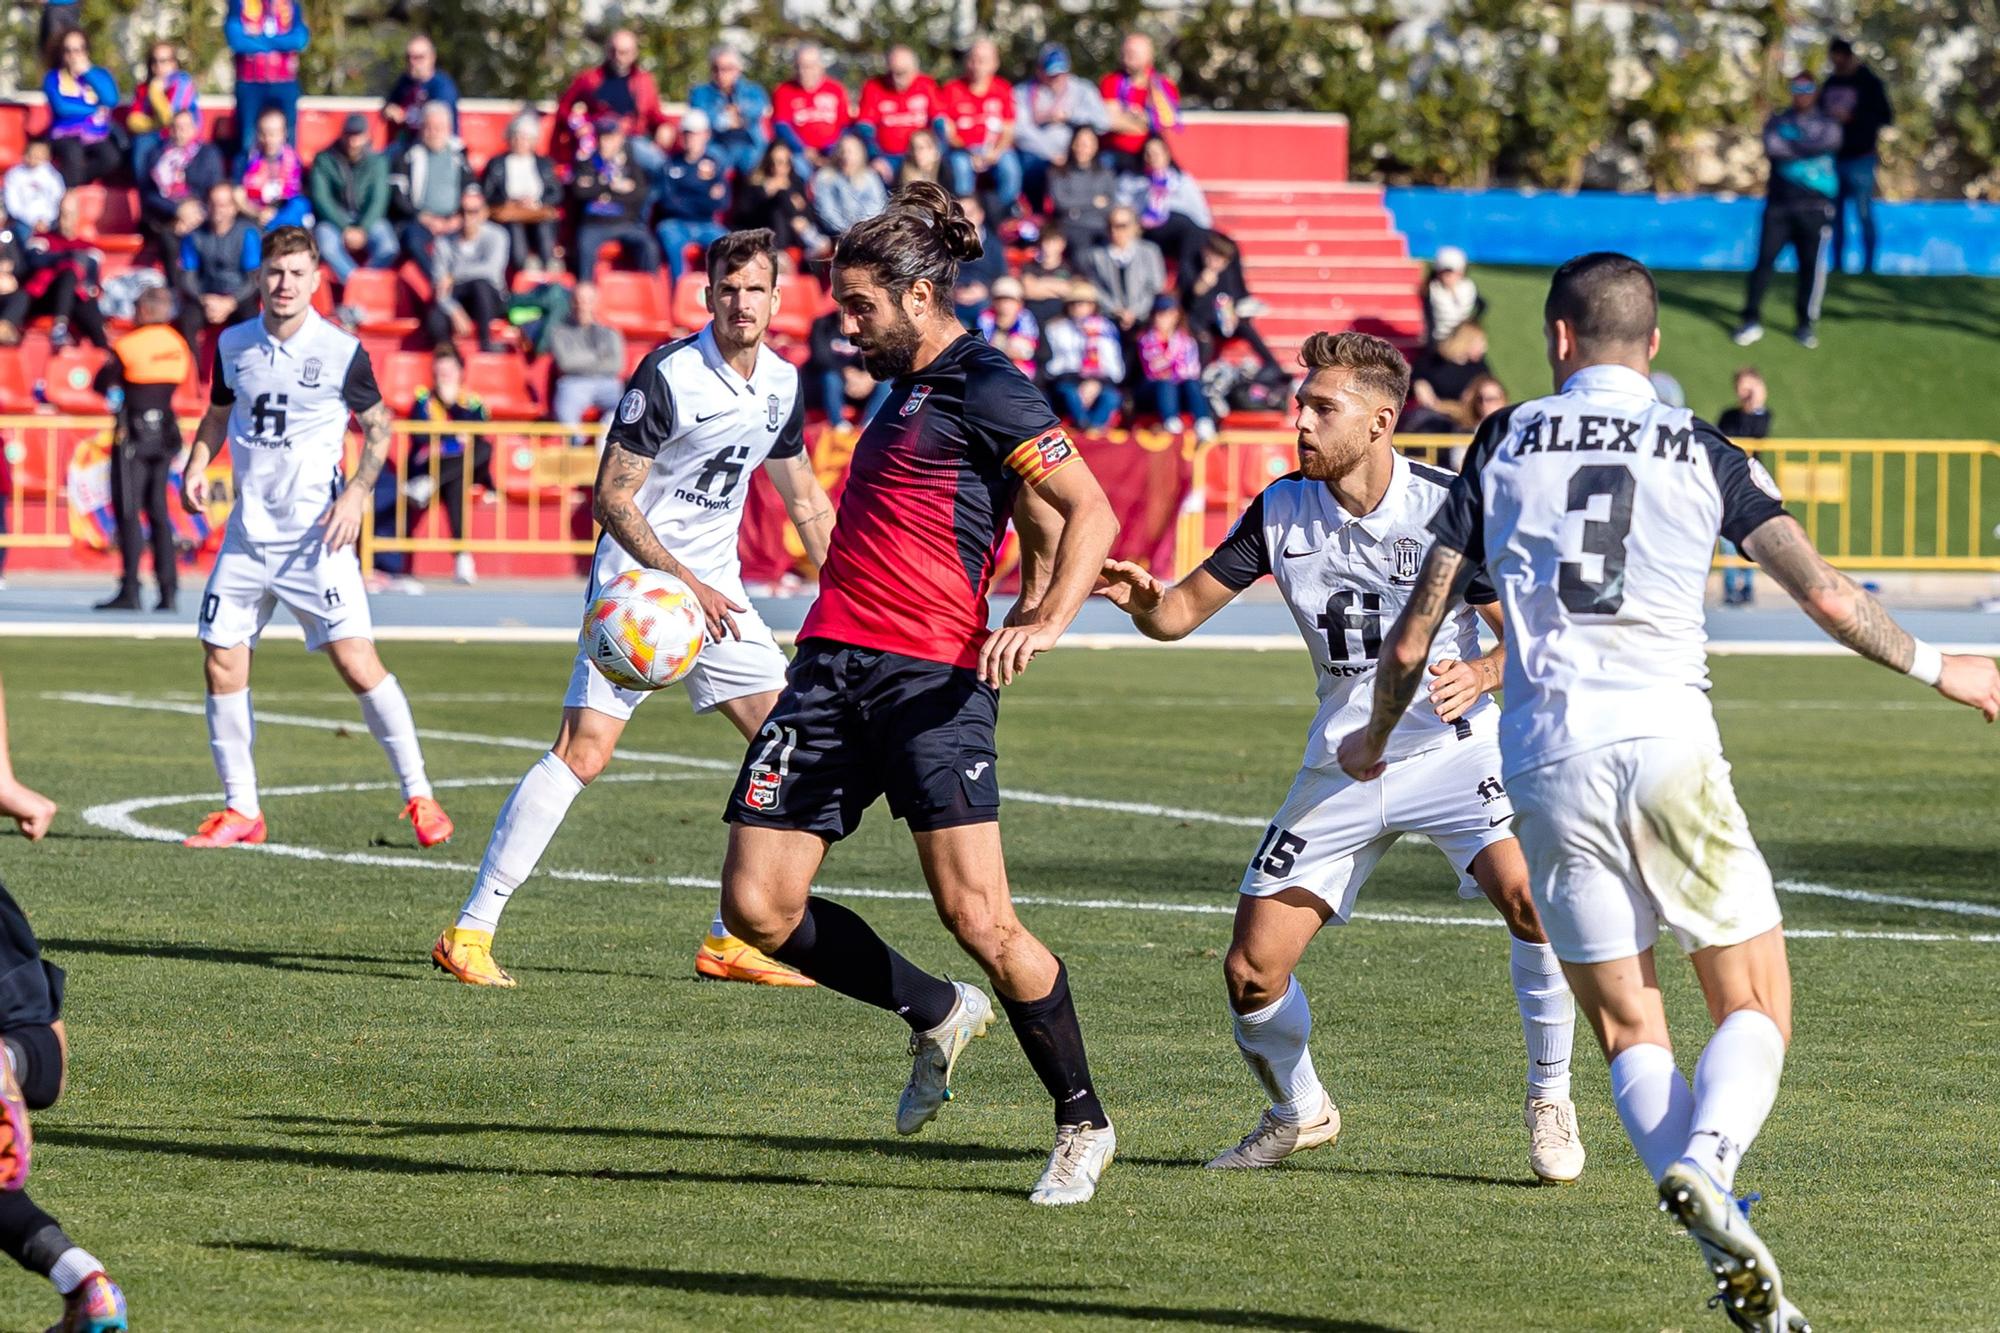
[
  {"x": 1007, "y": 325},
  {"x": 1748, "y": 418},
  {"x": 266, "y": 37},
  {"x": 1220, "y": 307},
  {"x": 847, "y": 190},
  {"x": 1450, "y": 297},
  {"x": 526, "y": 198},
  {"x": 172, "y": 191},
  {"x": 88, "y": 144},
  {"x": 33, "y": 189},
  {"x": 1086, "y": 361},
  {"x": 1171, "y": 365},
  {"x": 166, "y": 91},
  {"x": 435, "y": 470},
  {"x": 810, "y": 111},
  {"x": 896, "y": 105},
  {"x": 273, "y": 177},
  {"x": 735, "y": 108},
  {"x": 1082, "y": 191},
  {"x": 60, "y": 281}
]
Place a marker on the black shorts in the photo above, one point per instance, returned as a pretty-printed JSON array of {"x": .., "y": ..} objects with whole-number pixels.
[
  {"x": 31, "y": 988},
  {"x": 857, "y": 723}
]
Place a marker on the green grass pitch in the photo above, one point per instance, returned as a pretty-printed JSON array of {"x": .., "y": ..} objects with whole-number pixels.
[{"x": 280, "y": 1118}]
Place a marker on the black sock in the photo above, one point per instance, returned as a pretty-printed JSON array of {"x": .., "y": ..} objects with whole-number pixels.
[
  {"x": 842, "y": 952},
  {"x": 30, "y": 1236},
  {"x": 1048, "y": 1032}
]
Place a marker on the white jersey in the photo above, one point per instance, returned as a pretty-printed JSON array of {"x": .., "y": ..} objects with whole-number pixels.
[
  {"x": 1595, "y": 512},
  {"x": 707, "y": 430},
  {"x": 1346, "y": 580},
  {"x": 288, "y": 402}
]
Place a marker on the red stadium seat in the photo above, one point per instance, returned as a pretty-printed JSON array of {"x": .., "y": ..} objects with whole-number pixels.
[
  {"x": 68, "y": 377},
  {"x": 502, "y": 380},
  {"x": 632, "y": 302},
  {"x": 799, "y": 306},
  {"x": 690, "y": 308},
  {"x": 399, "y": 375},
  {"x": 16, "y": 395},
  {"x": 323, "y": 298},
  {"x": 386, "y": 305},
  {"x": 527, "y": 282}
]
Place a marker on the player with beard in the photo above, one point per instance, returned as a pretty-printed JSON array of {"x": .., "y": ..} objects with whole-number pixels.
[{"x": 893, "y": 691}]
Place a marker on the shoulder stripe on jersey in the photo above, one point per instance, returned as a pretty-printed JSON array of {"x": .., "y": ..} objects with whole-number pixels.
[
  {"x": 1437, "y": 476},
  {"x": 1038, "y": 459}
]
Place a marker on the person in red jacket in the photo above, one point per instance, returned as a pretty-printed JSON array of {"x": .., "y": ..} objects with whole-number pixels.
[
  {"x": 809, "y": 112},
  {"x": 1141, "y": 101},
  {"x": 894, "y": 106},
  {"x": 979, "y": 129},
  {"x": 617, "y": 89}
]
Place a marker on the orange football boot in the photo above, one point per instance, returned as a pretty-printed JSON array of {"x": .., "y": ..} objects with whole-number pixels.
[
  {"x": 726, "y": 958},
  {"x": 227, "y": 828},
  {"x": 428, "y": 818},
  {"x": 16, "y": 1140}
]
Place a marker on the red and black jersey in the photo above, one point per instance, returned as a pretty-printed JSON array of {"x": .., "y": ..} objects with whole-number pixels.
[{"x": 928, "y": 497}]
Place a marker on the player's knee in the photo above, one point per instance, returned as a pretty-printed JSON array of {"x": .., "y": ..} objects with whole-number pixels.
[
  {"x": 1252, "y": 984},
  {"x": 757, "y": 920},
  {"x": 37, "y": 1055},
  {"x": 979, "y": 930},
  {"x": 357, "y": 664},
  {"x": 585, "y": 758}
]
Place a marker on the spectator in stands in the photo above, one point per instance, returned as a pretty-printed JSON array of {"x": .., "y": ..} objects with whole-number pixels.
[
  {"x": 735, "y": 108},
  {"x": 469, "y": 273},
  {"x": 1748, "y": 418},
  {"x": 525, "y": 196},
  {"x": 349, "y": 188},
  {"x": 273, "y": 177},
  {"x": 1220, "y": 307},
  {"x": 977, "y": 276},
  {"x": 1172, "y": 210},
  {"x": 60, "y": 281},
  {"x": 266, "y": 37},
  {"x": 1171, "y": 365},
  {"x": 978, "y": 123},
  {"x": 1046, "y": 113},
  {"x": 1441, "y": 377},
  {"x": 691, "y": 189},
  {"x": 33, "y": 189},
  {"x": 174, "y": 186},
  {"x": 1486, "y": 396},
  {"x": 1082, "y": 190},
  {"x": 1139, "y": 100},
  {"x": 138, "y": 381},
  {"x": 166, "y": 91},
  {"x": 87, "y": 141},
  {"x": 1086, "y": 361},
  {"x": 1854, "y": 98},
  {"x": 1450, "y": 296},
  {"x": 1801, "y": 142},
  {"x": 13, "y": 264},
  {"x": 618, "y": 89},
  {"x": 923, "y": 162},
  {"x": 420, "y": 84},
  {"x": 59, "y": 19},
  {"x": 427, "y": 179},
  {"x": 219, "y": 262},
  {"x": 846, "y": 190},
  {"x": 1128, "y": 272},
  {"x": 1007, "y": 325},
  {"x": 608, "y": 202},
  {"x": 435, "y": 469},
  {"x": 1047, "y": 277},
  {"x": 589, "y": 359},
  {"x": 772, "y": 197},
  {"x": 810, "y": 111},
  {"x": 833, "y": 366},
  {"x": 896, "y": 105}
]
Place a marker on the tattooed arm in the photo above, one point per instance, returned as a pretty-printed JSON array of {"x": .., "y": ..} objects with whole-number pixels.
[
  {"x": 619, "y": 475},
  {"x": 343, "y": 521},
  {"x": 1846, "y": 612},
  {"x": 1404, "y": 653}
]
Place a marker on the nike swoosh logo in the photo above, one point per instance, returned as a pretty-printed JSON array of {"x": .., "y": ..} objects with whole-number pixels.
[
  {"x": 1496, "y": 823},
  {"x": 977, "y": 769},
  {"x": 711, "y": 416},
  {"x": 1300, "y": 555}
]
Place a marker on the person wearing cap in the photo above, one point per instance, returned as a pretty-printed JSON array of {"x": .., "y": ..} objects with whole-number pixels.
[
  {"x": 1854, "y": 97},
  {"x": 608, "y": 200},
  {"x": 1047, "y": 111},
  {"x": 427, "y": 179},
  {"x": 1801, "y": 142},
  {"x": 1006, "y": 324},
  {"x": 735, "y": 108},
  {"x": 526, "y": 198},
  {"x": 1086, "y": 361},
  {"x": 349, "y": 188},
  {"x": 420, "y": 84},
  {"x": 809, "y": 111},
  {"x": 690, "y": 188},
  {"x": 1450, "y": 296}
]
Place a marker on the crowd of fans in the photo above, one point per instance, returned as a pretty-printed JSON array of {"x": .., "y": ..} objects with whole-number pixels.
[{"x": 1128, "y": 296}]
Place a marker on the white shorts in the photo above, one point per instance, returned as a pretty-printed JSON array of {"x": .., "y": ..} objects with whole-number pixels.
[
  {"x": 322, "y": 589},
  {"x": 729, "y": 669},
  {"x": 1331, "y": 830},
  {"x": 1625, "y": 837}
]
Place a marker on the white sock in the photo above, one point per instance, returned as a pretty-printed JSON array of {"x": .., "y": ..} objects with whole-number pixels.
[
  {"x": 72, "y": 1268},
  {"x": 528, "y": 822},
  {"x": 1655, "y": 1103},
  {"x": 1734, "y": 1086},
  {"x": 718, "y": 927},
  {"x": 387, "y": 711},
  {"x": 232, "y": 734},
  {"x": 1548, "y": 1017},
  {"x": 1273, "y": 1042}
]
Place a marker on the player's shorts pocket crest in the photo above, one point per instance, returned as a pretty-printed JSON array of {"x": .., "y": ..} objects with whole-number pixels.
[{"x": 762, "y": 789}]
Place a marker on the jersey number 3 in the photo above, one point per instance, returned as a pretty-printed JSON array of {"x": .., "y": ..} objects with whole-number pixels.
[{"x": 1603, "y": 495}]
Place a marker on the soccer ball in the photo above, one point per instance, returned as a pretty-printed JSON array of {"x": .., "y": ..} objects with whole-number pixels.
[{"x": 644, "y": 631}]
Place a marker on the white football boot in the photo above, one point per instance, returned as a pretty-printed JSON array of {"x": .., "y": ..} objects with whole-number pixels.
[
  {"x": 1081, "y": 1154},
  {"x": 1274, "y": 1140},
  {"x": 935, "y": 1053},
  {"x": 1555, "y": 1151},
  {"x": 1749, "y": 1286}
]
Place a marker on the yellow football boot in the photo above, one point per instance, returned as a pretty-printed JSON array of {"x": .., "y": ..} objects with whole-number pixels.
[
  {"x": 726, "y": 958},
  {"x": 468, "y": 955}
]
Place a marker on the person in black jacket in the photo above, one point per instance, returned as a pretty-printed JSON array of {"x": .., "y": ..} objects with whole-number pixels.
[
  {"x": 138, "y": 381},
  {"x": 608, "y": 199},
  {"x": 173, "y": 187},
  {"x": 1854, "y": 98},
  {"x": 521, "y": 188}
]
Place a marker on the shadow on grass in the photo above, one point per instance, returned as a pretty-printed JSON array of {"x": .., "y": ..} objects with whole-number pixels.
[
  {"x": 405, "y": 967},
  {"x": 1040, "y": 1299},
  {"x": 318, "y": 1159}
]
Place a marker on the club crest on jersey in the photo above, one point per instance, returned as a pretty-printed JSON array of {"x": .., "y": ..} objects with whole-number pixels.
[
  {"x": 916, "y": 400},
  {"x": 771, "y": 412},
  {"x": 1409, "y": 553},
  {"x": 309, "y": 373},
  {"x": 762, "y": 792},
  {"x": 632, "y": 406}
]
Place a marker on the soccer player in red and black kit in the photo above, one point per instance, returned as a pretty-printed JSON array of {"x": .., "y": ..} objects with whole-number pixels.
[{"x": 893, "y": 691}]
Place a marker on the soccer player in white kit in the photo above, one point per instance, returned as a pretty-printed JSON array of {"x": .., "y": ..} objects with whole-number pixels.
[
  {"x": 1595, "y": 512},
  {"x": 698, "y": 418},
  {"x": 1342, "y": 537},
  {"x": 284, "y": 386}
]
